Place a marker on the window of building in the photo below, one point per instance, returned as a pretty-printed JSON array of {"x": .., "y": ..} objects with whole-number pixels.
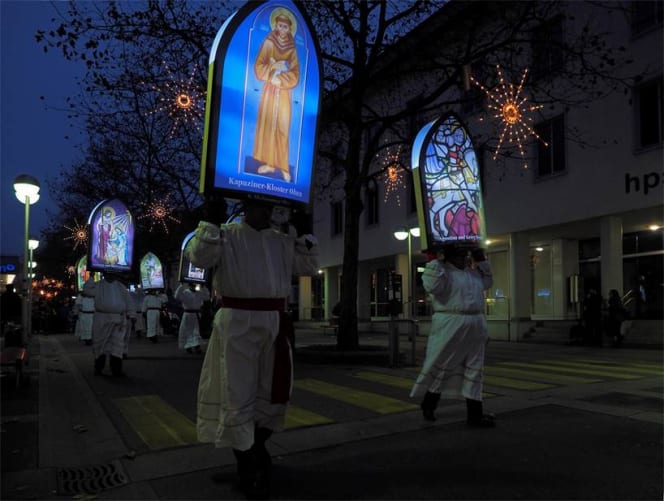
[
  {"x": 547, "y": 48},
  {"x": 497, "y": 297},
  {"x": 650, "y": 112},
  {"x": 646, "y": 15},
  {"x": 551, "y": 156},
  {"x": 371, "y": 203},
  {"x": 542, "y": 281},
  {"x": 337, "y": 223}
]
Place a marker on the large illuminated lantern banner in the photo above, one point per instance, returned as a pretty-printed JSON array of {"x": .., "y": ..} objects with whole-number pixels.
[
  {"x": 83, "y": 274},
  {"x": 261, "y": 115},
  {"x": 152, "y": 273},
  {"x": 447, "y": 181},
  {"x": 188, "y": 272},
  {"x": 111, "y": 244}
]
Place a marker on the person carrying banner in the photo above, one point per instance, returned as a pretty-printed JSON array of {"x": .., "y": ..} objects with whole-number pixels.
[
  {"x": 246, "y": 378},
  {"x": 454, "y": 361},
  {"x": 189, "y": 333},
  {"x": 153, "y": 302},
  {"x": 114, "y": 307}
]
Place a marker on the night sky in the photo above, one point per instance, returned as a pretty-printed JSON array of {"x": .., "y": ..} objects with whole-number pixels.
[{"x": 32, "y": 129}]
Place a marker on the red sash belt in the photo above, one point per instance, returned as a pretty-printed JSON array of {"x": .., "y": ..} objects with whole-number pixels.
[
  {"x": 282, "y": 372},
  {"x": 254, "y": 303}
]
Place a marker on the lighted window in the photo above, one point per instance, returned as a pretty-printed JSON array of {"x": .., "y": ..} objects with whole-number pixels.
[
  {"x": 542, "y": 280},
  {"x": 650, "y": 110},
  {"x": 497, "y": 297},
  {"x": 551, "y": 156}
]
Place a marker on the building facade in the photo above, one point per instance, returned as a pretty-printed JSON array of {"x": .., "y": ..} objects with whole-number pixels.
[{"x": 586, "y": 214}]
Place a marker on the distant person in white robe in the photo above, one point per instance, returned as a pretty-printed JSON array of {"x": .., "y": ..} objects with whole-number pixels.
[
  {"x": 454, "y": 362},
  {"x": 189, "y": 334},
  {"x": 114, "y": 308},
  {"x": 246, "y": 378},
  {"x": 153, "y": 302},
  {"x": 84, "y": 310},
  {"x": 139, "y": 323}
]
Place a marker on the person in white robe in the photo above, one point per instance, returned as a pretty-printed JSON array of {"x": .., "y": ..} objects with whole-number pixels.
[
  {"x": 246, "y": 378},
  {"x": 139, "y": 323},
  {"x": 84, "y": 310},
  {"x": 114, "y": 308},
  {"x": 189, "y": 333},
  {"x": 153, "y": 302},
  {"x": 454, "y": 361}
]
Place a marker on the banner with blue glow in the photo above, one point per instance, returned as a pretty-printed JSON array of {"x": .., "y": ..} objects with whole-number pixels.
[
  {"x": 264, "y": 88},
  {"x": 152, "y": 273},
  {"x": 111, "y": 237},
  {"x": 189, "y": 272},
  {"x": 449, "y": 196}
]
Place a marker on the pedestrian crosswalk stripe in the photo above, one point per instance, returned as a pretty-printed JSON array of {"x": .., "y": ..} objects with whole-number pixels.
[
  {"x": 297, "y": 417},
  {"x": 158, "y": 424},
  {"x": 494, "y": 370},
  {"x": 637, "y": 368},
  {"x": 364, "y": 399},
  {"x": 551, "y": 365},
  {"x": 517, "y": 384},
  {"x": 398, "y": 382}
]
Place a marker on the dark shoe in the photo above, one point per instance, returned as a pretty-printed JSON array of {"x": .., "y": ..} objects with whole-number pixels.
[
  {"x": 252, "y": 481},
  {"x": 153, "y": 339},
  {"x": 190, "y": 351},
  {"x": 485, "y": 421},
  {"x": 88, "y": 342},
  {"x": 429, "y": 404},
  {"x": 198, "y": 350}
]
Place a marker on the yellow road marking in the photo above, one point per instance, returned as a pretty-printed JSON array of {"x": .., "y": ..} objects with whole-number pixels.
[
  {"x": 364, "y": 399},
  {"x": 158, "y": 424},
  {"x": 296, "y": 417},
  {"x": 550, "y": 365},
  {"x": 637, "y": 368},
  {"x": 517, "y": 384},
  {"x": 543, "y": 376}
]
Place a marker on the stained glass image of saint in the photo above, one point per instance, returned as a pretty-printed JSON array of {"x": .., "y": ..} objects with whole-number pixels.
[
  {"x": 278, "y": 67},
  {"x": 112, "y": 236},
  {"x": 452, "y": 190}
]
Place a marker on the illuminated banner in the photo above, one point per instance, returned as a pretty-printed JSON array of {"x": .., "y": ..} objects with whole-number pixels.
[
  {"x": 111, "y": 237},
  {"x": 83, "y": 274},
  {"x": 152, "y": 273},
  {"x": 449, "y": 198},
  {"x": 264, "y": 87},
  {"x": 189, "y": 272}
]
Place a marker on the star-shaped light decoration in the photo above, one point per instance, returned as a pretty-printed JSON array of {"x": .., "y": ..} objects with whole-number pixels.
[
  {"x": 393, "y": 177},
  {"x": 159, "y": 212},
  {"x": 181, "y": 99},
  {"x": 512, "y": 110},
  {"x": 79, "y": 234}
]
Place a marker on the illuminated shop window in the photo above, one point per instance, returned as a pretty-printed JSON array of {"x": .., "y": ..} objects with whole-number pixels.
[{"x": 542, "y": 280}]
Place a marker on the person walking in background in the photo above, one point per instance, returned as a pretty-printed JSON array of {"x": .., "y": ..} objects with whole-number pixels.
[
  {"x": 138, "y": 325},
  {"x": 246, "y": 378},
  {"x": 592, "y": 317},
  {"x": 113, "y": 307},
  {"x": 153, "y": 302},
  {"x": 454, "y": 362},
  {"x": 84, "y": 310},
  {"x": 11, "y": 307},
  {"x": 616, "y": 315},
  {"x": 189, "y": 334}
]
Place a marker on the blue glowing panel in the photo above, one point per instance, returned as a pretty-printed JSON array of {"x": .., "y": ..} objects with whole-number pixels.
[
  {"x": 264, "y": 88},
  {"x": 189, "y": 272}
]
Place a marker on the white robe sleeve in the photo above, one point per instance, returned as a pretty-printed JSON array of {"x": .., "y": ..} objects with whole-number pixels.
[
  {"x": 204, "y": 248},
  {"x": 435, "y": 278},
  {"x": 305, "y": 257},
  {"x": 486, "y": 273}
]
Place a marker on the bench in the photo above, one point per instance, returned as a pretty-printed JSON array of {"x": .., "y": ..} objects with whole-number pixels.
[{"x": 15, "y": 357}]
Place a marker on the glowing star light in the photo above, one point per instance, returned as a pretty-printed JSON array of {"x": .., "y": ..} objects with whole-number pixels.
[
  {"x": 182, "y": 100},
  {"x": 79, "y": 234},
  {"x": 511, "y": 108},
  {"x": 159, "y": 213},
  {"x": 393, "y": 174}
]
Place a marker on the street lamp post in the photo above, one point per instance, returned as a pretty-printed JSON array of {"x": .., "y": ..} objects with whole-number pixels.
[
  {"x": 404, "y": 233},
  {"x": 27, "y": 191},
  {"x": 33, "y": 243}
]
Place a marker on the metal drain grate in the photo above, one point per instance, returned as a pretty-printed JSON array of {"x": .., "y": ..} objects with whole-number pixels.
[{"x": 90, "y": 479}]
